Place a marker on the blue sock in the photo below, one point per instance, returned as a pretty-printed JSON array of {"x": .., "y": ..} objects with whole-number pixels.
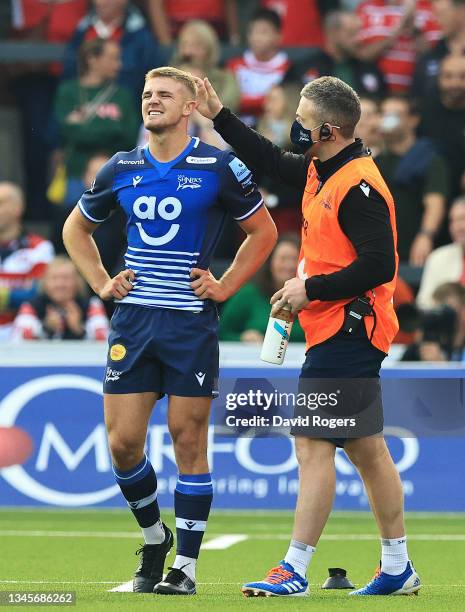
[
  {"x": 192, "y": 501},
  {"x": 139, "y": 487}
]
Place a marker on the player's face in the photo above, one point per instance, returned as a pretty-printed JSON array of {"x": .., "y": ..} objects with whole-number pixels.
[
  {"x": 60, "y": 282},
  {"x": 165, "y": 103}
]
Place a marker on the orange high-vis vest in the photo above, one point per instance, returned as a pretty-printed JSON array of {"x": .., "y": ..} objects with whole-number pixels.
[{"x": 326, "y": 249}]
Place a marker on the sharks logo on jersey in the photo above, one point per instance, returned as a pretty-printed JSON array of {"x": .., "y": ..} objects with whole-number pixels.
[{"x": 175, "y": 214}]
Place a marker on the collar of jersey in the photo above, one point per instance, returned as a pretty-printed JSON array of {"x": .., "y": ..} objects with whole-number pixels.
[{"x": 163, "y": 168}]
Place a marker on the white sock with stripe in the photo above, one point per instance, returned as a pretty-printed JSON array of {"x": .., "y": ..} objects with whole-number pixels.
[
  {"x": 155, "y": 534},
  {"x": 394, "y": 556},
  {"x": 186, "y": 564},
  {"x": 299, "y": 556}
]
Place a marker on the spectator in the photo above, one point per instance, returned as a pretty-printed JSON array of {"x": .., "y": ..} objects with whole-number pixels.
[
  {"x": 38, "y": 21},
  {"x": 440, "y": 330},
  {"x": 301, "y": 21},
  {"x": 417, "y": 177},
  {"x": 123, "y": 23},
  {"x": 445, "y": 264},
  {"x": 23, "y": 257},
  {"x": 368, "y": 128},
  {"x": 47, "y": 21},
  {"x": 245, "y": 316},
  {"x": 279, "y": 113},
  {"x": 453, "y": 296},
  {"x": 198, "y": 47},
  {"x": 450, "y": 15},
  {"x": 339, "y": 57},
  {"x": 169, "y": 16},
  {"x": 262, "y": 65},
  {"x": 443, "y": 119},
  {"x": 393, "y": 33},
  {"x": 61, "y": 311},
  {"x": 94, "y": 114}
]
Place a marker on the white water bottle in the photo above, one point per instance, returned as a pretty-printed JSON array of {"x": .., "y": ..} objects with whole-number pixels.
[{"x": 277, "y": 336}]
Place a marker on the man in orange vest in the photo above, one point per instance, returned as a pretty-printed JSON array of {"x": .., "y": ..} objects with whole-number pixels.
[{"x": 343, "y": 294}]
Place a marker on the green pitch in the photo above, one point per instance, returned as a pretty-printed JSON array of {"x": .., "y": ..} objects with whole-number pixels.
[{"x": 91, "y": 551}]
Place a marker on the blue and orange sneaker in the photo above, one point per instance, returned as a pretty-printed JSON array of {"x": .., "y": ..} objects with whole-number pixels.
[
  {"x": 280, "y": 580},
  {"x": 407, "y": 583}
]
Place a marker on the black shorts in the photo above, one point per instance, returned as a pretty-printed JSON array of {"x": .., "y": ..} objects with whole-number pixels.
[{"x": 341, "y": 377}]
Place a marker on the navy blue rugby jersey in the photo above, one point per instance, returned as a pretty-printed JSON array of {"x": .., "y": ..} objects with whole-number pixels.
[{"x": 175, "y": 214}]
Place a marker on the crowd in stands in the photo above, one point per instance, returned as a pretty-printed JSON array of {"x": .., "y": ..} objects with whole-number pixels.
[{"x": 405, "y": 58}]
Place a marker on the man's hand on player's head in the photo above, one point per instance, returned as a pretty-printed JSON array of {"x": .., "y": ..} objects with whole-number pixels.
[
  {"x": 293, "y": 293},
  {"x": 206, "y": 286},
  {"x": 208, "y": 102},
  {"x": 119, "y": 286}
]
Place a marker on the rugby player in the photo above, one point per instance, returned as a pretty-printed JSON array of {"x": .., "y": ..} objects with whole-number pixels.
[{"x": 176, "y": 193}]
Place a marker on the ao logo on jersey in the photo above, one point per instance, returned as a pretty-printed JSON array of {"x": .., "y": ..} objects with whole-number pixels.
[{"x": 146, "y": 207}]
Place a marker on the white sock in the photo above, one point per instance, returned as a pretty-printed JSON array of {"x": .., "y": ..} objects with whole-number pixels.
[
  {"x": 186, "y": 564},
  {"x": 155, "y": 534},
  {"x": 299, "y": 556},
  {"x": 394, "y": 556}
]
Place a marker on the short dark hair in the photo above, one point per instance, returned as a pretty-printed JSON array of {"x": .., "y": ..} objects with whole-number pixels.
[
  {"x": 335, "y": 102},
  {"x": 268, "y": 15}
]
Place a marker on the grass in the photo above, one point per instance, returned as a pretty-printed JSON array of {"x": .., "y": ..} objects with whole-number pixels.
[{"x": 91, "y": 551}]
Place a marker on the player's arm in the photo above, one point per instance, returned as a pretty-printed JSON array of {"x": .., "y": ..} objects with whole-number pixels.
[
  {"x": 256, "y": 150},
  {"x": 261, "y": 238},
  {"x": 81, "y": 247},
  {"x": 95, "y": 205}
]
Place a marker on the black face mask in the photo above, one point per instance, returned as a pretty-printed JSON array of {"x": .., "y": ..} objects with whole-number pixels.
[{"x": 301, "y": 137}]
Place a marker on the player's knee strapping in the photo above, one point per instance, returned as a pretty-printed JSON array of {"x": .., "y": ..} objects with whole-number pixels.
[
  {"x": 192, "y": 501},
  {"x": 139, "y": 487}
]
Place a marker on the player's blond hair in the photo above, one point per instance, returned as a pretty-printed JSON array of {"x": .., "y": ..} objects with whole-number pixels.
[{"x": 169, "y": 72}]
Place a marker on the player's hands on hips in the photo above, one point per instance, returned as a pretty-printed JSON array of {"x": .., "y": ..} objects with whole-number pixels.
[
  {"x": 293, "y": 293},
  {"x": 208, "y": 102},
  {"x": 119, "y": 286},
  {"x": 206, "y": 286}
]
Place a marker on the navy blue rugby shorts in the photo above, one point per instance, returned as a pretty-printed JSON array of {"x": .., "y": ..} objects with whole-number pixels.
[{"x": 173, "y": 352}]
